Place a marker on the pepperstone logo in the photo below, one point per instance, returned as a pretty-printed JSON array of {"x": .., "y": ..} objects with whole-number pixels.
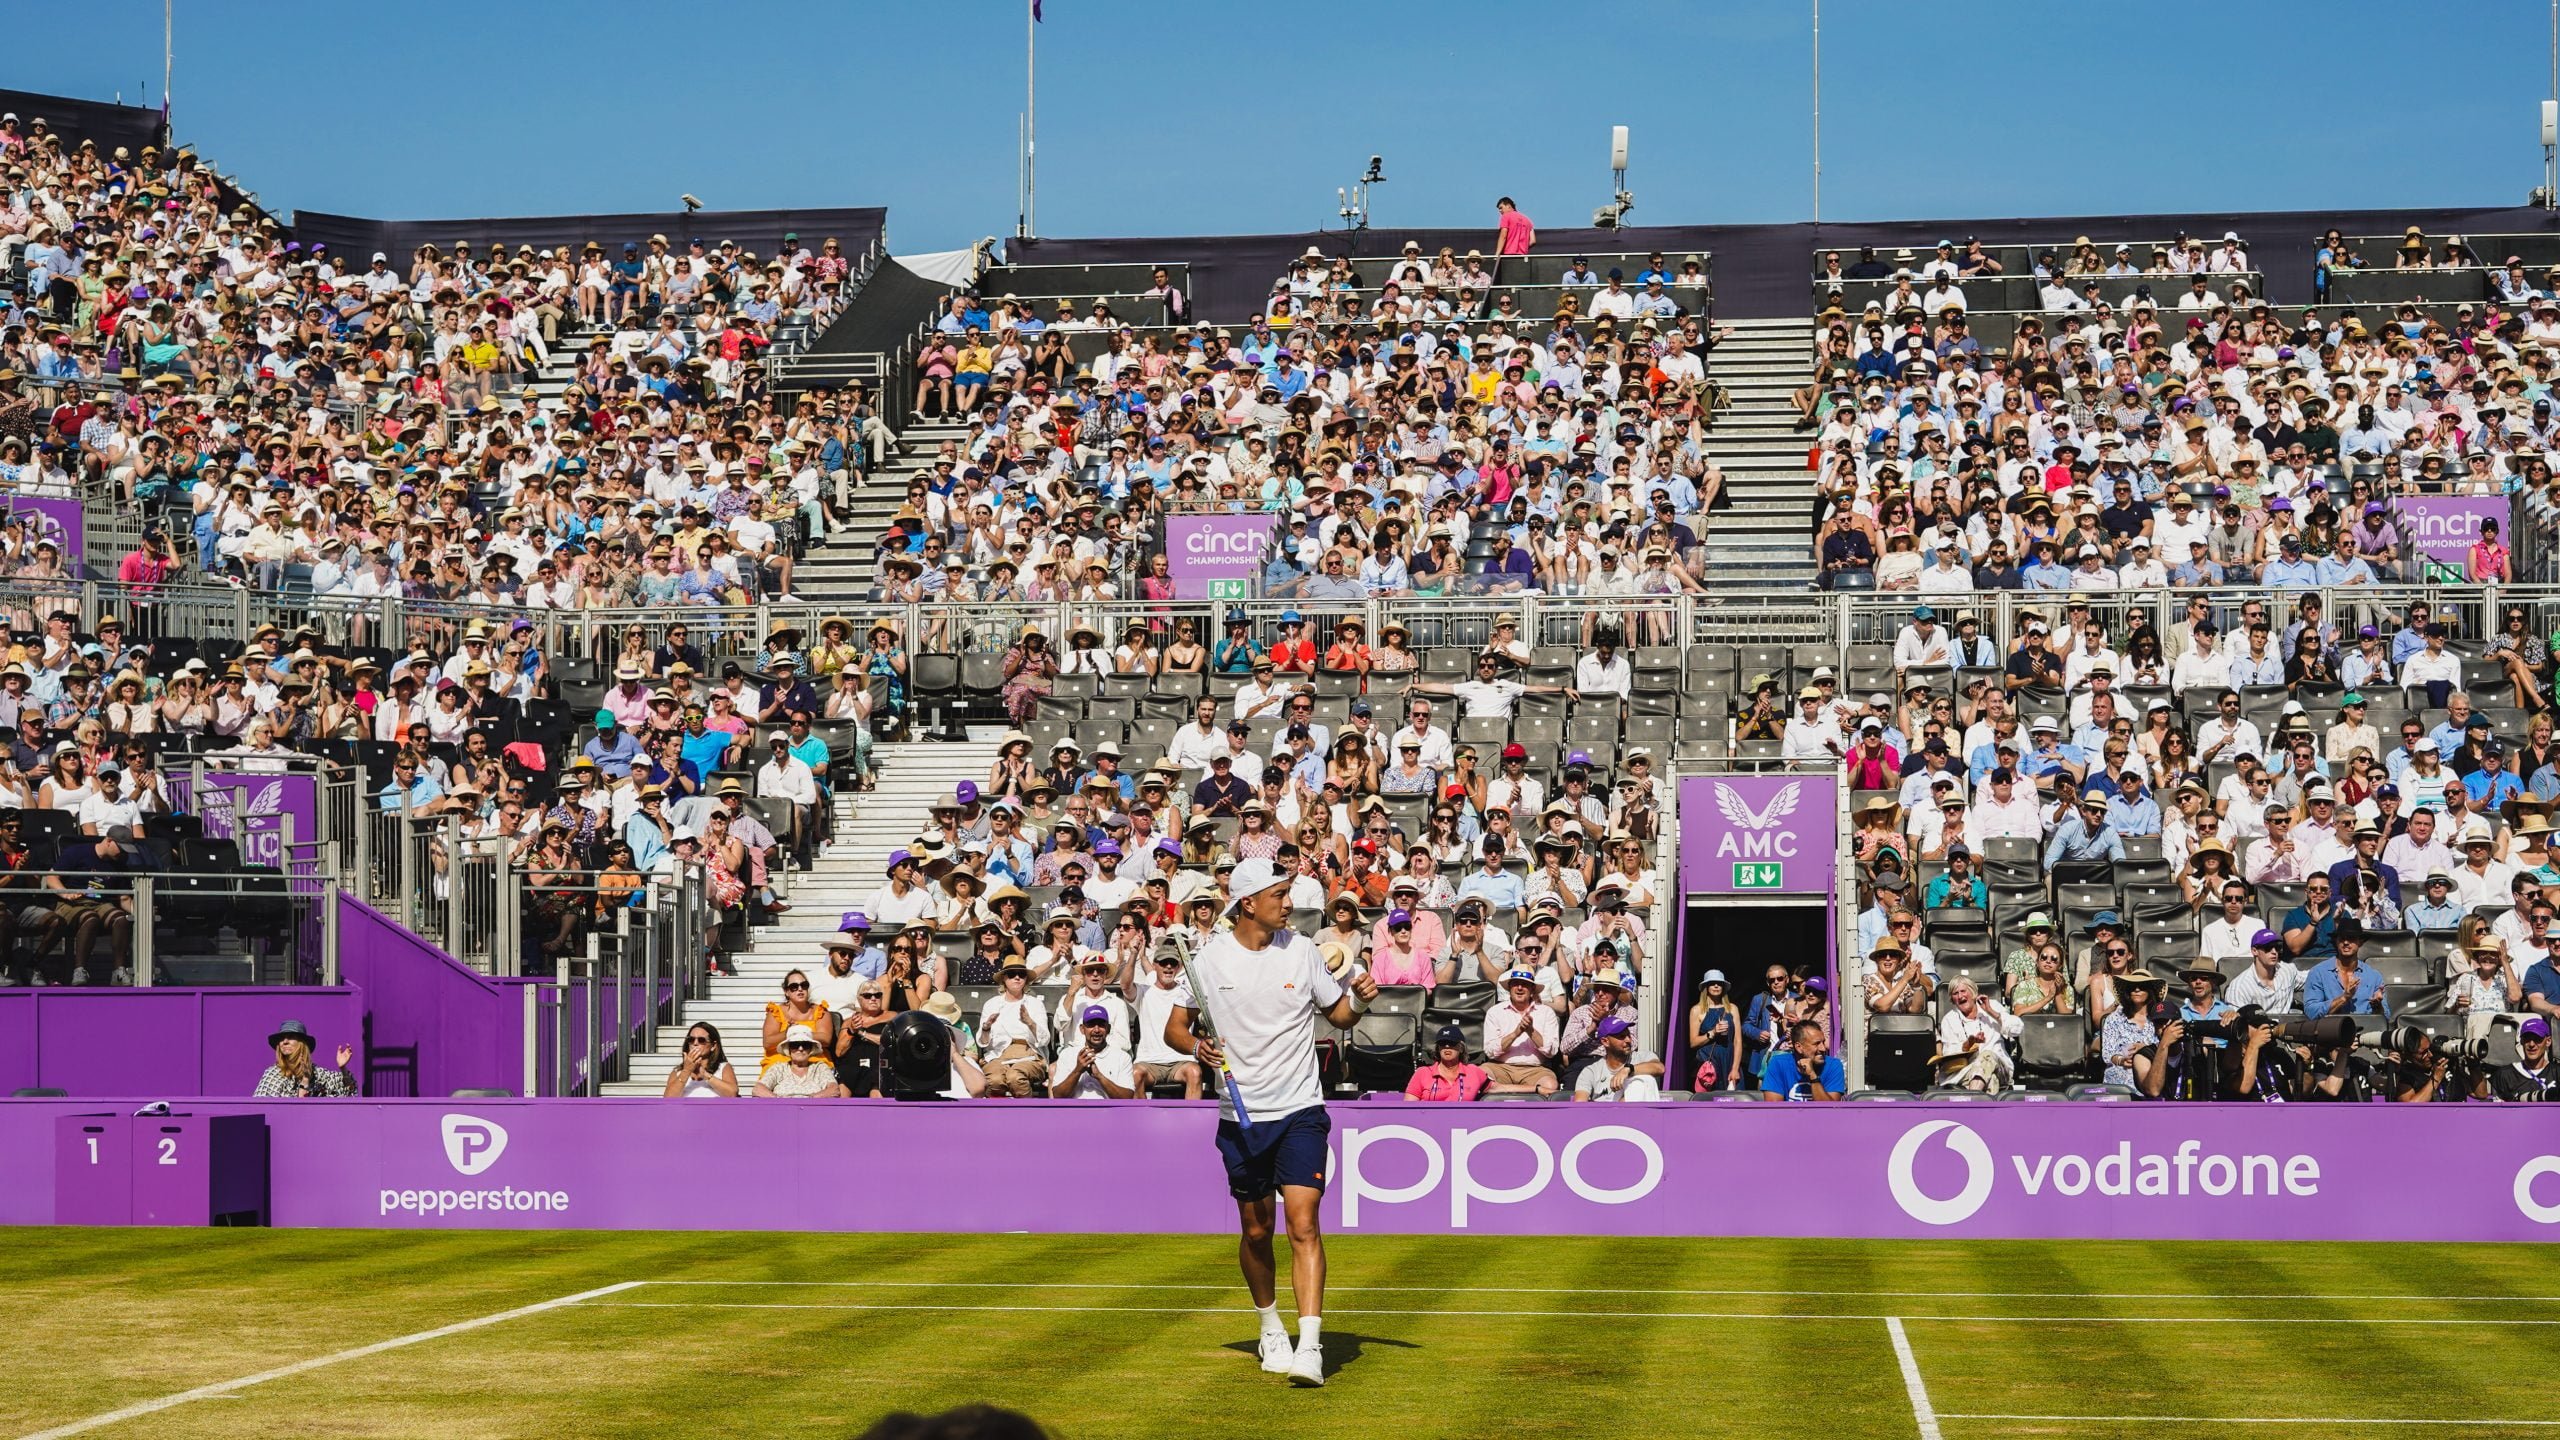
[
  {"x": 473, "y": 1144},
  {"x": 1919, "y": 1204}
]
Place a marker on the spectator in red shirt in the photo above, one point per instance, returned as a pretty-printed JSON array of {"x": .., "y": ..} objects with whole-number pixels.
[
  {"x": 1449, "y": 1076},
  {"x": 1293, "y": 650}
]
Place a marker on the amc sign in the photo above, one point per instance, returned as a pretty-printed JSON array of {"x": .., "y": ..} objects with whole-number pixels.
[{"x": 1758, "y": 833}]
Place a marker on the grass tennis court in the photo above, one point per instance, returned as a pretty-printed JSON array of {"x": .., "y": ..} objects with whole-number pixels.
[{"x": 817, "y": 1336}]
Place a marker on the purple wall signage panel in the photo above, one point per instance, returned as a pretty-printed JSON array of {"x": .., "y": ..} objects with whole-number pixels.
[
  {"x": 435, "y": 1025},
  {"x": 165, "y": 1042},
  {"x": 1202, "y": 548},
  {"x": 1747, "y": 834},
  {"x": 2442, "y": 527},
  {"x": 61, "y": 521},
  {"x": 2467, "y": 1173}
]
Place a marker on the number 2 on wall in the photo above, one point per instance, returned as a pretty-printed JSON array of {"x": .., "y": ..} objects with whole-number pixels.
[{"x": 168, "y": 1150}]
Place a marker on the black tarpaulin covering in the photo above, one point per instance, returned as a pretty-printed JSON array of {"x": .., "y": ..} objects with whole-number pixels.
[
  {"x": 1767, "y": 270},
  {"x": 111, "y": 125},
  {"x": 758, "y": 230},
  {"x": 892, "y": 303}
]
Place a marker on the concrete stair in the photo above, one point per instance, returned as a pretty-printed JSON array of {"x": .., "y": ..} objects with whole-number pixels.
[
  {"x": 840, "y": 574},
  {"x": 912, "y": 777},
  {"x": 1764, "y": 542}
]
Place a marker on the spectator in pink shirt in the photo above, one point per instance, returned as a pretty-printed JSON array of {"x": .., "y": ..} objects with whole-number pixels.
[
  {"x": 629, "y": 700},
  {"x": 1397, "y": 960},
  {"x": 1513, "y": 232},
  {"x": 1449, "y": 1076},
  {"x": 1430, "y": 932}
]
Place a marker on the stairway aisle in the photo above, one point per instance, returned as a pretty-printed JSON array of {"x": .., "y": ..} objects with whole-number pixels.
[
  {"x": 1764, "y": 542},
  {"x": 839, "y": 575},
  {"x": 912, "y": 777}
]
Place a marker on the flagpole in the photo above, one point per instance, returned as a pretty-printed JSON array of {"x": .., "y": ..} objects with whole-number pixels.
[
  {"x": 1030, "y": 112},
  {"x": 168, "y": 30}
]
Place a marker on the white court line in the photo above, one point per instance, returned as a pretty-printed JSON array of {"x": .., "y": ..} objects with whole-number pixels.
[
  {"x": 1921, "y": 1410},
  {"x": 1572, "y": 1314},
  {"x": 1334, "y": 1288},
  {"x": 223, "y": 1390},
  {"x": 2246, "y": 1420}
]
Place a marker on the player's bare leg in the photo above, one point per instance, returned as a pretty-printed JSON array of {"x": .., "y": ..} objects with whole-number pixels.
[
  {"x": 1306, "y": 1279},
  {"x": 1261, "y": 1278}
]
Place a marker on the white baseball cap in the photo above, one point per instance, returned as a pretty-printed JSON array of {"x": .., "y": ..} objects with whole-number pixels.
[{"x": 1252, "y": 878}]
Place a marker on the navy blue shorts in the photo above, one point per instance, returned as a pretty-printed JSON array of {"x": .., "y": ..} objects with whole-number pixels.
[{"x": 1274, "y": 1153}]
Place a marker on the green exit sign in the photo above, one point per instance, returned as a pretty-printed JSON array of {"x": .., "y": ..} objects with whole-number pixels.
[
  {"x": 1227, "y": 590},
  {"x": 1759, "y": 875}
]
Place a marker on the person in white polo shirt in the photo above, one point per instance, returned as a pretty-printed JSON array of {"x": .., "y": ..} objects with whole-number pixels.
[{"x": 1261, "y": 986}]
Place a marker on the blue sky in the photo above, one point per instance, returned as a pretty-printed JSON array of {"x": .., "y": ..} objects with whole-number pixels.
[{"x": 1158, "y": 118}]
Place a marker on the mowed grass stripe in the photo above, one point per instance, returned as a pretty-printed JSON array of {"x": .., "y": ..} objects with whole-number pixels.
[
  {"x": 2103, "y": 1372},
  {"x": 235, "y": 1303}
]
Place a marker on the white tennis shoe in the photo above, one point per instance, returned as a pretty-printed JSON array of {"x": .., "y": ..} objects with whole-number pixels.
[
  {"x": 1276, "y": 1352},
  {"x": 1306, "y": 1370}
]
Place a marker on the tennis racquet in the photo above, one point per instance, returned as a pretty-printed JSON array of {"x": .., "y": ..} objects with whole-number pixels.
[{"x": 1180, "y": 943}]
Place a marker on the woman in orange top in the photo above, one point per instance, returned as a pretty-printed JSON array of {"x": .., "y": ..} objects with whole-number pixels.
[
  {"x": 1350, "y": 650},
  {"x": 795, "y": 1008}
]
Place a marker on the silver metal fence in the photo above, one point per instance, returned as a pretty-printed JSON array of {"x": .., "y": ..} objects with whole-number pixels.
[
  {"x": 223, "y": 928},
  {"x": 633, "y": 956}
]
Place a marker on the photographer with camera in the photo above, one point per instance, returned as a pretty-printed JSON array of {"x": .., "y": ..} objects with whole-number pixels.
[
  {"x": 2204, "y": 1036},
  {"x": 2419, "y": 1071},
  {"x": 2265, "y": 1069},
  {"x": 2532, "y": 1076}
]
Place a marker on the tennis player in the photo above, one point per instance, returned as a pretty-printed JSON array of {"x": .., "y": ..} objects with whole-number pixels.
[{"x": 1265, "y": 987}]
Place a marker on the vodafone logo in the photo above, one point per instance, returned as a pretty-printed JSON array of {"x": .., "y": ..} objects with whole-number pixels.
[
  {"x": 1919, "y": 1204},
  {"x": 2534, "y": 1210}
]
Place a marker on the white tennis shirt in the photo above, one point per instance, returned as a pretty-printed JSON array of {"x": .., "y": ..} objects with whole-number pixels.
[{"x": 1262, "y": 1007}]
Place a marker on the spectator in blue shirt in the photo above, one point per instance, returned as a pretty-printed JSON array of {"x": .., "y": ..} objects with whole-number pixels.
[
  {"x": 2340, "y": 986},
  {"x": 2132, "y": 812},
  {"x": 2084, "y": 836},
  {"x": 1491, "y": 883},
  {"x": 2411, "y": 637},
  {"x": 411, "y": 790},
  {"x": 1805, "y": 1070},
  {"x": 1958, "y": 886},
  {"x": 2289, "y": 571},
  {"x": 612, "y": 749},
  {"x": 2493, "y": 784}
]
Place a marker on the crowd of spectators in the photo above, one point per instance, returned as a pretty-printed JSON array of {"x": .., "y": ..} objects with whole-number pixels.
[
  {"x": 1443, "y": 446},
  {"x": 316, "y": 426},
  {"x": 2206, "y": 440},
  {"x": 1043, "y": 911},
  {"x": 2315, "y": 819},
  {"x": 365, "y": 425}
]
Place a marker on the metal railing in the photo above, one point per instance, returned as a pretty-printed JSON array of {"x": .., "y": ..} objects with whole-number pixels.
[
  {"x": 635, "y": 957},
  {"x": 233, "y": 927}
]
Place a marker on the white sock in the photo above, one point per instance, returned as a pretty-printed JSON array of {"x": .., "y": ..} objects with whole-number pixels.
[
  {"x": 1310, "y": 1331},
  {"x": 1271, "y": 1318}
]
